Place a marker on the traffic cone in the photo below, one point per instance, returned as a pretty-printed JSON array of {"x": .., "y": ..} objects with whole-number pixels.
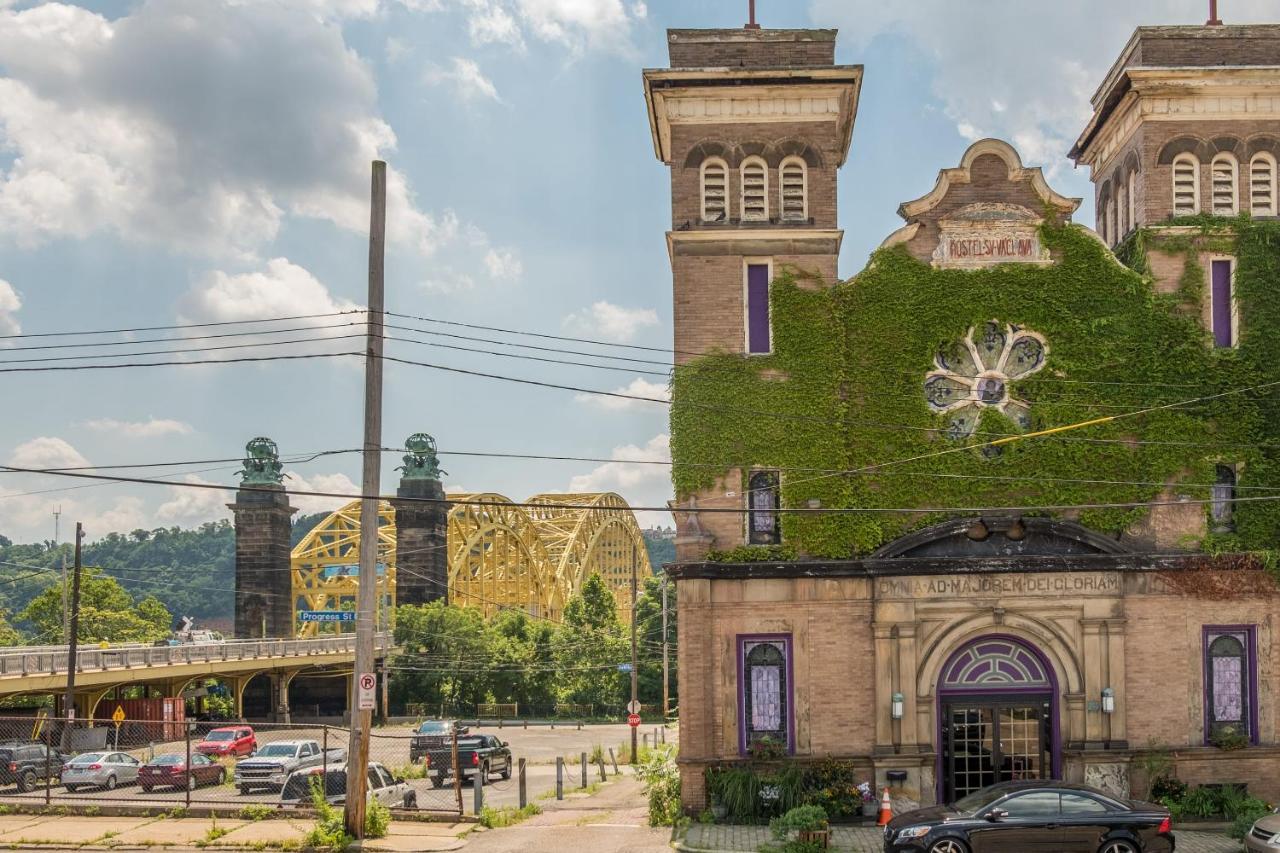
[{"x": 886, "y": 809}]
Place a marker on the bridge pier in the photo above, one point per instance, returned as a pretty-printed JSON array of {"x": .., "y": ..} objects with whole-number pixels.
[{"x": 264, "y": 577}]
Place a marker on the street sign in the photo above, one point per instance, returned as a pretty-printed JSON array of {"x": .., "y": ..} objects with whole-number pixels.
[
  {"x": 118, "y": 716},
  {"x": 624, "y": 667},
  {"x": 365, "y": 691},
  {"x": 326, "y": 615},
  {"x": 633, "y": 720},
  {"x": 633, "y": 707}
]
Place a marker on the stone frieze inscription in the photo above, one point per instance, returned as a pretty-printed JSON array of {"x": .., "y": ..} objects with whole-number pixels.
[{"x": 961, "y": 586}]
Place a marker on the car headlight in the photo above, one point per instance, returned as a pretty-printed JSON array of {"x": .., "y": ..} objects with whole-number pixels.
[{"x": 913, "y": 832}]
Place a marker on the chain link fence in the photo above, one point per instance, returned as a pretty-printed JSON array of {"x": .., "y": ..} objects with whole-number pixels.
[{"x": 173, "y": 764}]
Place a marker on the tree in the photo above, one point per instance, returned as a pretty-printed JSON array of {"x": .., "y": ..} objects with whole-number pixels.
[
  {"x": 649, "y": 625},
  {"x": 443, "y": 651},
  {"x": 107, "y": 613},
  {"x": 9, "y": 636},
  {"x": 522, "y": 660},
  {"x": 588, "y": 648}
]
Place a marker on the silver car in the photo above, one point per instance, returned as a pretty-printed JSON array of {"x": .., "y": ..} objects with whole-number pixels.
[
  {"x": 100, "y": 770},
  {"x": 1264, "y": 835}
]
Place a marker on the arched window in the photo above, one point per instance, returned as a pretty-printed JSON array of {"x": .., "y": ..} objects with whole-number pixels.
[
  {"x": 1103, "y": 204},
  {"x": 1223, "y": 498},
  {"x": 1262, "y": 184},
  {"x": 1186, "y": 185},
  {"x": 755, "y": 190},
  {"x": 1132, "y": 196},
  {"x": 1229, "y": 680},
  {"x": 1122, "y": 211},
  {"x": 765, "y": 691},
  {"x": 1111, "y": 220},
  {"x": 762, "y": 503},
  {"x": 794, "y": 179},
  {"x": 1226, "y": 185},
  {"x": 715, "y": 190}
]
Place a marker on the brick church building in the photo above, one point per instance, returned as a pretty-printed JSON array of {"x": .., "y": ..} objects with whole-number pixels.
[{"x": 885, "y": 552}]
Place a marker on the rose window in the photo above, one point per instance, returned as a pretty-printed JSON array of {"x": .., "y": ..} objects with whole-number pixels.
[{"x": 976, "y": 372}]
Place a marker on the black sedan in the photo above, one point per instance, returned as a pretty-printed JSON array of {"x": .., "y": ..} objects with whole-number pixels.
[{"x": 1025, "y": 817}]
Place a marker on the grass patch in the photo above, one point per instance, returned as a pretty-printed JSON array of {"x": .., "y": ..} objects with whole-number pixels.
[
  {"x": 176, "y": 812},
  {"x": 491, "y": 818},
  {"x": 256, "y": 812}
]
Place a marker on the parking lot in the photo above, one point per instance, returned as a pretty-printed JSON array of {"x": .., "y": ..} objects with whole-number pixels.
[{"x": 539, "y": 745}]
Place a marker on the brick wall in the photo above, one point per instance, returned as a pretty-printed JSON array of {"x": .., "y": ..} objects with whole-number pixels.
[
  {"x": 742, "y": 48},
  {"x": 264, "y": 577},
  {"x": 1255, "y": 44}
]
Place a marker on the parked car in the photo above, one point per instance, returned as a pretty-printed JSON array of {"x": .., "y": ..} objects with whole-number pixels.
[
  {"x": 434, "y": 736},
  {"x": 172, "y": 771},
  {"x": 229, "y": 740},
  {"x": 1264, "y": 835},
  {"x": 384, "y": 788},
  {"x": 26, "y": 763},
  {"x": 477, "y": 754},
  {"x": 100, "y": 770},
  {"x": 272, "y": 763},
  {"x": 1034, "y": 815}
]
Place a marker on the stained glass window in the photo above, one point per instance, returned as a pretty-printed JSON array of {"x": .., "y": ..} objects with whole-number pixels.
[
  {"x": 762, "y": 501},
  {"x": 1228, "y": 682},
  {"x": 977, "y": 372},
  {"x": 765, "y": 691}
]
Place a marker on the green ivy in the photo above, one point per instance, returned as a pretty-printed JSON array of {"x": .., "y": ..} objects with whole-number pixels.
[{"x": 843, "y": 391}]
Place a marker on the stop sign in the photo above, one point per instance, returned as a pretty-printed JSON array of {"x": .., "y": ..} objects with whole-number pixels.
[{"x": 633, "y": 720}]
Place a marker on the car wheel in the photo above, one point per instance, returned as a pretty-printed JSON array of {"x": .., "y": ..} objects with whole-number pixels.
[
  {"x": 484, "y": 774},
  {"x": 506, "y": 771},
  {"x": 1117, "y": 847},
  {"x": 411, "y": 800},
  {"x": 111, "y": 783},
  {"x": 948, "y": 845},
  {"x": 437, "y": 781},
  {"x": 27, "y": 781}
]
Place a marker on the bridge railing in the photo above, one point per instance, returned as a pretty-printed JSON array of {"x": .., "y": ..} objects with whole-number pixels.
[{"x": 49, "y": 661}]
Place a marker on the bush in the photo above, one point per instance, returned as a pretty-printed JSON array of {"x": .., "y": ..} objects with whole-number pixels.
[
  {"x": 801, "y": 817},
  {"x": 377, "y": 817},
  {"x": 1167, "y": 787},
  {"x": 1200, "y": 802},
  {"x": 330, "y": 832},
  {"x": 1244, "y": 821},
  {"x": 256, "y": 811},
  {"x": 833, "y": 785},
  {"x": 661, "y": 778},
  {"x": 491, "y": 818}
]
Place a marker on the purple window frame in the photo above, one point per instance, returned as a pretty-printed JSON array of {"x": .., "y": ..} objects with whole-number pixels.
[
  {"x": 1251, "y": 663},
  {"x": 788, "y": 694},
  {"x": 758, "y": 327},
  {"x": 1220, "y": 303}
]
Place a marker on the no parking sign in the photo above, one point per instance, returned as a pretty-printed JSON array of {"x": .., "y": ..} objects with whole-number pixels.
[{"x": 365, "y": 686}]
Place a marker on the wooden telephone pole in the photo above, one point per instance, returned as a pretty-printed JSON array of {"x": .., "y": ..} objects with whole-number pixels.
[
  {"x": 69, "y": 700},
  {"x": 367, "y": 593}
]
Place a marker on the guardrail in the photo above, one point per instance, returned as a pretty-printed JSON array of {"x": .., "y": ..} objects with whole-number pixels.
[{"x": 55, "y": 659}]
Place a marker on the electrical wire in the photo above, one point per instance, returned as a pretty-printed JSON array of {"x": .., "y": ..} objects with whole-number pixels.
[{"x": 173, "y": 326}]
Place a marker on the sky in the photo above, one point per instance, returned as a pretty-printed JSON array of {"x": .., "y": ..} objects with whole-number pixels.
[{"x": 172, "y": 162}]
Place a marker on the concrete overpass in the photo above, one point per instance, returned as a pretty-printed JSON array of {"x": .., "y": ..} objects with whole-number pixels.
[{"x": 42, "y": 670}]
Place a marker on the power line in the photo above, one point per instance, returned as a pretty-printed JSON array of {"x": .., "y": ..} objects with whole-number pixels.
[
  {"x": 181, "y": 338},
  {"x": 173, "y": 326},
  {"x": 218, "y": 348},
  {"x": 185, "y": 363}
]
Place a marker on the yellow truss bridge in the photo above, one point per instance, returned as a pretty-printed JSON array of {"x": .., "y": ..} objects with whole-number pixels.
[{"x": 501, "y": 556}]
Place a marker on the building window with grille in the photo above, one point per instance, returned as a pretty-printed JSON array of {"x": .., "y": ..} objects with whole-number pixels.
[
  {"x": 1222, "y": 501},
  {"x": 764, "y": 691},
  {"x": 1222, "y": 303},
  {"x": 794, "y": 181},
  {"x": 1262, "y": 184},
  {"x": 1186, "y": 185},
  {"x": 759, "y": 331},
  {"x": 715, "y": 190},
  {"x": 762, "y": 509},
  {"x": 755, "y": 190},
  {"x": 1230, "y": 683},
  {"x": 1226, "y": 186}
]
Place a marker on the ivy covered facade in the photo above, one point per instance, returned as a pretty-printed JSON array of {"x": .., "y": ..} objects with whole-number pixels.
[{"x": 999, "y": 506}]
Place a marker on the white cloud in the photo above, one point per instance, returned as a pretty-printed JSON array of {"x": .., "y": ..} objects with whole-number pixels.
[
  {"x": 641, "y": 485},
  {"x": 150, "y": 428},
  {"x": 9, "y": 305},
  {"x": 334, "y": 483},
  {"x": 449, "y": 282},
  {"x": 465, "y": 77},
  {"x": 191, "y": 507},
  {"x": 581, "y": 23},
  {"x": 396, "y": 49},
  {"x": 490, "y": 23},
  {"x": 123, "y": 514},
  {"x": 503, "y": 264},
  {"x": 638, "y": 388},
  {"x": 46, "y": 452},
  {"x": 196, "y": 124},
  {"x": 1040, "y": 62},
  {"x": 283, "y": 289},
  {"x": 612, "y": 322}
]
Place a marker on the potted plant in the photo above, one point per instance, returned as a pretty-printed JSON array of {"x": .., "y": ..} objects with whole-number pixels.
[
  {"x": 808, "y": 822},
  {"x": 870, "y": 807}
]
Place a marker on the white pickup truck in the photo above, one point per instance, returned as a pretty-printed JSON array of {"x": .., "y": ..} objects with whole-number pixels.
[
  {"x": 272, "y": 764},
  {"x": 385, "y": 788}
]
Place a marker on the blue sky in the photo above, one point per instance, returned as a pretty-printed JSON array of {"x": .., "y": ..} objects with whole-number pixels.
[{"x": 207, "y": 160}]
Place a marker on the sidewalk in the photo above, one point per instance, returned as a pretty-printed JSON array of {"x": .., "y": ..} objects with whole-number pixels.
[{"x": 715, "y": 838}]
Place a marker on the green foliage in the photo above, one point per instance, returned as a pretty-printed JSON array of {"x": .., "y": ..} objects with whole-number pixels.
[
  {"x": 491, "y": 818},
  {"x": 589, "y": 646},
  {"x": 753, "y": 554},
  {"x": 1201, "y": 802},
  {"x": 801, "y": 817},
  {"x": 844, "y": 352},
  {"x": 649, "y": 632},
  {"x": 107, "y": 612},
  {"x": 753, "y": 791},
  {"x": 377, "y": 818},
  {"x": 661, "y": 779},
  {"x": 1229, "y": 739},
  {"x": 832, "y": 785},
  {"x": 330, "y": 832},
  {"x": 1245, "y": 819},
  {"x": 9, "y": 636},
  {"x": 256, "y": 812}
]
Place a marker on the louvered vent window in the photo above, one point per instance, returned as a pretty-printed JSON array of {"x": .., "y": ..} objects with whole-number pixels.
[
  {"x": 715, "y": 191},
  {"x": 1225, "y": 198},
  {"x": 755, "y": 191},
  {"x": 1262, "y": 185},
  {"x": 795, "y": 207},
  {"x": 1186, "y": 186}
]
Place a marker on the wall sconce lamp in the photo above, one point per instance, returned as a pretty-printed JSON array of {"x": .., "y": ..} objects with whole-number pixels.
[
  {"x": 978, "y": 531},
  {"x": 896, "y": 705},
  {"x": 1108, "y": 700},
  {"x": 1017, "y": 531}
]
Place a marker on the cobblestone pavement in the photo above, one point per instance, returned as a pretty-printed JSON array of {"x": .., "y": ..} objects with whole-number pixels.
[{"x": 704, "y": 838}]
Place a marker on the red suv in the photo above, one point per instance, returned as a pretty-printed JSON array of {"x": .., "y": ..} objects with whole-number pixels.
[{"x": 229, "y": 740}]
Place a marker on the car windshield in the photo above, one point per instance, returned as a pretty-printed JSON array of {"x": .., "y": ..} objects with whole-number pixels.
[
  {"x": 979, "y": 800},
  {"x": 277, "y": 749},
  {"x": 220, "y": 736},
  {"x": 168, "y": 759},
  {"x": 433, "y": 727},
  {"x": 88, "y": 758}
]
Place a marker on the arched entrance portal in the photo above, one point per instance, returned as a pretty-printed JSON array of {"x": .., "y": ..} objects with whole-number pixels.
[{"x": 998, "y": 713}]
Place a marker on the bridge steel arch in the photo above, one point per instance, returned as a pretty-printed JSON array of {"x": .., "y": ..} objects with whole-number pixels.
[{"x": 501, "y": 555}]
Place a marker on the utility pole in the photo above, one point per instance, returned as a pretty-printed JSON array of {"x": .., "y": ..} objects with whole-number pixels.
[
  {"x": 69, "y": 701},
  {"x": 635, "y": 676},
  {"x": 367, "y": 593},
  {"x": 57, "y": 543},
  {"x": 666, "y": 681}
]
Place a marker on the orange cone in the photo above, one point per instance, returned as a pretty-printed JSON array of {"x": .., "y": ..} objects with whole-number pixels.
[{"x": 886, "y": 809}]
